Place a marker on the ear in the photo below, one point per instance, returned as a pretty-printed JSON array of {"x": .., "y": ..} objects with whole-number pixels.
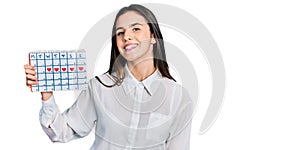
[{"x": 153, "y": 40}]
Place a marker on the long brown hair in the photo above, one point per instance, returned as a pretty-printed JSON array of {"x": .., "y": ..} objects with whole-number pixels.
[{"x": 117, "y": 62}]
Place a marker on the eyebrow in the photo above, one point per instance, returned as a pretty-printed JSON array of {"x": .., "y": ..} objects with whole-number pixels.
[{"x": 134, "y": 24}]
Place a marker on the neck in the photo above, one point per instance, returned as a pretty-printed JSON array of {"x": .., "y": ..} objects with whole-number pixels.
[{"x": 141, "y": 70}]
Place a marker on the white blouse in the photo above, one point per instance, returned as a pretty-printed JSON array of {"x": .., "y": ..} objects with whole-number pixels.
[{"x": 154, "y": 114}]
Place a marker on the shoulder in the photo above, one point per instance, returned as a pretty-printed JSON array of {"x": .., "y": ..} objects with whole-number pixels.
[
  {"x": 100, "y": 80},
  {"x": 171, "y": 84},
  {"x": 176, "y": 90}
]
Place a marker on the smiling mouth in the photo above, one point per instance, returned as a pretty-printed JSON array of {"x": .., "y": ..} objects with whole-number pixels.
[{"x": 129, "y": 47}]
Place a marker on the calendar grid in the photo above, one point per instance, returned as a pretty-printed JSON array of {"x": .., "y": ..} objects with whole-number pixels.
[
  {"x": 45, "y": 68},
  {"x": 77, "y": 76},
  {"x": 59, "y": 59},
  {"x": 53, "y": 81},
  {"x": 68, "y": 69},
  {"x": 59, "y": 70}
]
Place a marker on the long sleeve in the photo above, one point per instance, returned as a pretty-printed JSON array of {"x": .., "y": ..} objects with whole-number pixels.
[
  {"x": 179, "y": 138},
  {"x": 75, "y": 122},
  {"x": 181, "y": 141},
  {"x": 54, "y": 124}
]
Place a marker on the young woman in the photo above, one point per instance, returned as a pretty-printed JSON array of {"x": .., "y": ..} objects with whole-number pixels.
[{"x": 136, "y": 104}]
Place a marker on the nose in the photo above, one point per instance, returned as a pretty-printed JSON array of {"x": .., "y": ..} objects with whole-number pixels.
[{"x": 127, "y": 35}]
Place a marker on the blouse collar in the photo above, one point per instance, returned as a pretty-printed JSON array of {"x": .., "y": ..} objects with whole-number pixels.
[{"x": 130, "y": 82}]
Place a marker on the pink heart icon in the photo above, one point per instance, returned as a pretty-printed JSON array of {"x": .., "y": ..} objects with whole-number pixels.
[{"x": 80, "y": 68}]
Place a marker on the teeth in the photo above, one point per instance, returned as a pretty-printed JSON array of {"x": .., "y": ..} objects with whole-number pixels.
[{"x": 131, "y": 46}]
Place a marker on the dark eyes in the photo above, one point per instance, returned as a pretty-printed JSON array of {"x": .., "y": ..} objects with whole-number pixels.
[
  {"x": 133, "y": 29},
  {"x": 136, "y": 29},
  {"x": 120, "y": 33}
]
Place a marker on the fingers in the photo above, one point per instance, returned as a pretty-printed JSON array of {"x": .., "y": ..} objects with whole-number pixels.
[
  {"x": 27, "y": 66},
  {"x": 31, "y": 78},
  {"x": 31, "y": 82},
  {"x": 30, "y": 71}
]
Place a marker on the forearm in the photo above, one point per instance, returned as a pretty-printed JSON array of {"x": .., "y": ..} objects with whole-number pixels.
[{"x": 53, "y": 123}]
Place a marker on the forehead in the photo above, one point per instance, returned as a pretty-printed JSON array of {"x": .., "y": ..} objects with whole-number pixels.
[{"x": 129, "y": 18}]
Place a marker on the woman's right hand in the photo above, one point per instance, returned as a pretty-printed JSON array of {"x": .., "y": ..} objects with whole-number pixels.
[{"x": 31, "y": 79}]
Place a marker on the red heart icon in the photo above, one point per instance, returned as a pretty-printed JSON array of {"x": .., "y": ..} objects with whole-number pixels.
[
  {"x": 72, "y": 68},
  {"x": 56, "y": 69},
  {"x": 48, "y": 69},
  {"x": 80, "y": 68},
  {"x": 63, "y": 69}
]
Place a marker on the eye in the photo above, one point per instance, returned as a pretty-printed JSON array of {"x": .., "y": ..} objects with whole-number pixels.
[
  {"x": 120, "y": 33},
  {"x": 136, "y": 29}
]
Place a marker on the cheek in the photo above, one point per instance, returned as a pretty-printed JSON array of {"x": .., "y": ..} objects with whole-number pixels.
[
  {"x": 143, "y": 37},
  {"x": 119, "y": 43},
  {"x": 145, "y": 43}
]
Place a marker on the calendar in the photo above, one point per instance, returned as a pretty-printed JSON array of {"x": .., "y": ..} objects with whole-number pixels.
[{"x": 59, "y": 70}]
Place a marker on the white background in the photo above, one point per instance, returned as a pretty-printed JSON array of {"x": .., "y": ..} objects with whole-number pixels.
[{"x": 259, "y": 41}]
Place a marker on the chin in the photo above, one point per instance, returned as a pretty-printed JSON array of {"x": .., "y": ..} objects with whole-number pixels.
[{"x": 130, "y": 59}]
